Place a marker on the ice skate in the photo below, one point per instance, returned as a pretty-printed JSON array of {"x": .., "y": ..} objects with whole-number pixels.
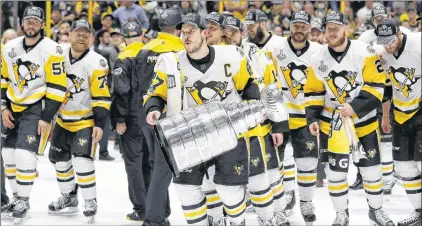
[
  {"x": 7, "y": 210},
  {"x": 413, "y": 220},
  {"x": 20, "y": 210},
  {"x": 270, "y": 222},
  {"x": 90, "y": 210},
  {"x": 281, "y": 219},
  {"x": 291, "y": 202},
  {"x": 308, "y": 212},
  {"x": 249, "y": 206},
  {"x": 65, "y": 205},
  {"x": 388, "y": 187},
  {"x": 379, "y": 218},
  {"x": 342, "y": 219}
]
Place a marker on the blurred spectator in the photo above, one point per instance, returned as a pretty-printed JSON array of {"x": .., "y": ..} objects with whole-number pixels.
[
  {"x": 63, "y": 38},
  {"x": 264, "y": 6},
  {"x": 239, "y": 8},
  {"x": 410, "y": 18},
  {"x": 128, "y": 11},
  {"x": 103, "y": 38},
  {"x": 352, "y": 23},
  {"x": 406, "y": 24},
  {"x": 67, "y": 10},
  {"x": 107, "y": 21},
  {"x": 309, "y": 8},
  {"x": 278, "y": 31},
  {"x": 56, "y": 19},
  {"x": 8, "y": 35},
  {"x": 362, "y": 14}
]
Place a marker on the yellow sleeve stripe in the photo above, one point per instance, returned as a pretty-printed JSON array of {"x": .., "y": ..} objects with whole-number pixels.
[
  {"x": 314, "y": 102},
  {"x": 377, "y": 92},
  {"x": 299, "y": 107},
  {"x": 372, "y": 70},
  {"x": 101, "y": 104},
  {"x": 55, "y": 97},
  {"x": 76, "y": 112}
]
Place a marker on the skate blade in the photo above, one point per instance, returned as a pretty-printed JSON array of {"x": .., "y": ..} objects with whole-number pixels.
[
  {"x": 309, "y": 223},
  {"x": 65, "y": 211},
  {"x": 19, "y": 221},
  {"x": 290, "y": 213},
  {"x": 91, "y": 219},
  {"x": 373, "y": 223}
]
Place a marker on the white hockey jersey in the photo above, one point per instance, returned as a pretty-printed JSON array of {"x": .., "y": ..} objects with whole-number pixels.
[
  {"x": 293, "y": 66},
  {"x": 86, "y": 89},
  {"x": 29, "y": 74},
  {"x": 404, "y": 72},
  {"x": 355, "y": 77}
]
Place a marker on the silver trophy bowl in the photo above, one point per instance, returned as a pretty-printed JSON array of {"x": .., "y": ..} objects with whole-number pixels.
[{"x": 199, "y": 134}]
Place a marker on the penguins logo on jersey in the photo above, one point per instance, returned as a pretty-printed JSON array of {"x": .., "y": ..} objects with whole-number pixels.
[
  {"x": 24, "y": 71},
  {"x": 239, "y": 169},
  {"x": 203, "y": 92},
  {"x": 75, "y": 88},
  {"x": 295, "y": 76},
  {"x": 404, "y": 79},
  {"x": 341, "y": 84},
  {"x": 255, "y": 161}
]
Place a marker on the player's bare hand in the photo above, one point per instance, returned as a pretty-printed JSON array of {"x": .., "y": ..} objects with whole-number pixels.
[
  {"x": 346, "y": 110},
  {"x": 277, "y": 139},
  {"x": 121, "y": 128},
  {"x": 153, "y": 117},
  {"x": 314, "y": 128},
  {"x": 97, "y": 134},
  {"x": 7, "y": 118},
  {"x": 43, "y": 127},
  {"x": 385, "y": 124}
]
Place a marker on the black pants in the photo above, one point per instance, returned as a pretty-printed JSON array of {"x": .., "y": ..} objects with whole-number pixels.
[
  {"x": 138, "y": 167},
  {"x": 104, "y": 140},
  {"x": 4, "y": 197},
  {"x": 158, "y": 201}
]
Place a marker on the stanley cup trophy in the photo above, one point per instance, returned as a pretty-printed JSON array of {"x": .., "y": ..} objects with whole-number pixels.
[{"x": 196, "y": 135}]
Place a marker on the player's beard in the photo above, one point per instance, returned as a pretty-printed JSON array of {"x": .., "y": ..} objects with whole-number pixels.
[
  {"x": 257, "y": 38},
  {"x": 333, "y": 43},
  {"x": 396, "y": 48},
  {"x": 80, "y": 47},
  {"x": 32, "y": 33},
  {"x": 299, "y": 37},
  {"x": 195, "y": 48}
]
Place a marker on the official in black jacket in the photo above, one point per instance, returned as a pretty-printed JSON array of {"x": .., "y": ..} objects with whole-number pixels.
[{"x": 128, "y": 118}]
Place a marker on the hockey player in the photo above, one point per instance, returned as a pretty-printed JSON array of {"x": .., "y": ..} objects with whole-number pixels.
[
  {"x": 79, "y": 124},
  {"x": 33, "y": 85},
  {"x": 347, "y": 74},
  {"x": 215, "y": 23},
  {"x": 203, "y": 77},
  {"x": 257, "y": 33},
  {"x": 262, "y": 143},
  {"x": 317, "y": 32},
  {"x": 293, "y": 65},
  {"x": 402, "y": 61},
  {"x": 379, "y": 13}
]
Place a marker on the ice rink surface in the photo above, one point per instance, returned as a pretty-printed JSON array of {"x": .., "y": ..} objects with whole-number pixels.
[{"x": 114, "y": 203}]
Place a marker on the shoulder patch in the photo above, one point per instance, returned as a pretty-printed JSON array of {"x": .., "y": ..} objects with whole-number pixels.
[
  {"x": 117, "y": 71},
  {"x": 370, "y": 49},
  {"x": 59, "y": 50},
  {"x": 103, "y": 63}
]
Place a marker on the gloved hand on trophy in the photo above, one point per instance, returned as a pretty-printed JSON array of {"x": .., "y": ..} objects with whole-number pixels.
[{"x": 196, "y": 135}]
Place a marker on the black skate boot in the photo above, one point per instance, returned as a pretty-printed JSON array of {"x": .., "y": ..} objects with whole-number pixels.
[
  {"x": 379, "y": 217},
  {"x": 342, "y": 218},
  {"x": 66, "y": 204},
  {"x": 281, "y": 219},
  {"x": 358, "y": 183},
  {"x": 7, "y": 209},
  {"x": 388, "y": 187},
  {"x": 291, "y": 202},
  {"x": 413, "y": 220},
  {"x": 308, "y": 212},
  {"x": 90, "y": 210},
  {"x": 135, "y": 216},
  {"x": 20, "y": 210}
]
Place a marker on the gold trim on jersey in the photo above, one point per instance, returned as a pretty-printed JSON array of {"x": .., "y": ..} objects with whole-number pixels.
[{"x": 76, "y": 125}]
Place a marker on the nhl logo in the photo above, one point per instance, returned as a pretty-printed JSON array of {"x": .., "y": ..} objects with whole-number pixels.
[
  {"x": 131, "y": 26},
  {"x": 203, "y": 67},
  {"x": 12, "y": 54},
  {"x": 322, "y": 67}
]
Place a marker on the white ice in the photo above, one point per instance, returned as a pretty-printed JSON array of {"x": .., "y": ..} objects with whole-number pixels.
[{"x": 114, "y": 202}]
